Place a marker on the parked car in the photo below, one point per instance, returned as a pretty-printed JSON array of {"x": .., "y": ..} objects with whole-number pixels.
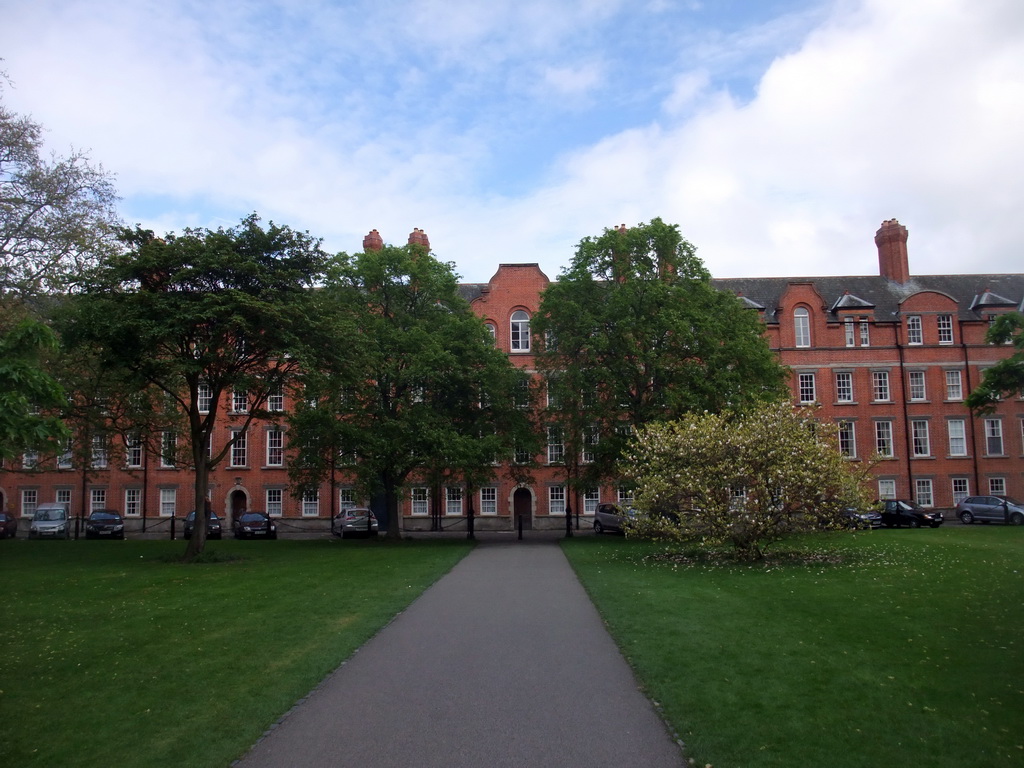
[
  {"x": 357, "y": 521},
  {"x": 254, "y": 525},
  {"x": 214, "y": 529},
  {"x": 8, "y": 525},
  {"x": 104, "y": 524},
  {"x": 863, "y": 519},
  {"x": 897, "y": 513},
  {"x": 50, "y": 521},
  {"x": 987, "y": 509},
  {"x": 610, "y": 517}
]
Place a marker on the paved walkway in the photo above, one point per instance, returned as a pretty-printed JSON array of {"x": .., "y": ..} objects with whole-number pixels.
[{"x": 503, "y": 662}]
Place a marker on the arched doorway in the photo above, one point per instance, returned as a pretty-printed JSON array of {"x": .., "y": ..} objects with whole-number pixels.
[
  {"x": 238, "y": 502},
  {"x": 522, "y": 509}
]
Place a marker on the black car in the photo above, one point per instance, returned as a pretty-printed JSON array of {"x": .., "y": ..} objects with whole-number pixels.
[
  {"x": 254, "y": 525},
  {"x": 104, "y": 524},
  {"x": 8, "y": 525},
  {"x": 988, "y": 509},
  {"x": 214, "y": 530},
  {"x": 897, "y": 513}
]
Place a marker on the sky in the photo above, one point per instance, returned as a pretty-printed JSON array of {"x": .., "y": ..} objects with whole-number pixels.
[{"x": 778, "y": 134}]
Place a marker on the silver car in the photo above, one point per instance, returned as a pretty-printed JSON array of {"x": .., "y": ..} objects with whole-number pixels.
[
  {"x": 609, "y": 517},
  {"x": 987, "y": 509},
  {"x": 50, "y": 521},
  {"x": 357, "y": 521}
]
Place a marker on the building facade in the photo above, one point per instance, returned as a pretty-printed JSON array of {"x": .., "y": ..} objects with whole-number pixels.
[{"x": 890, "y": 358}]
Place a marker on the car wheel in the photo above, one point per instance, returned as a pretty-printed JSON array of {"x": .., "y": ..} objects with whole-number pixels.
[
  {"x": 598, "y": 528},
  {"x": 966, "y": 518},
  {"x": 915, "y": 524},
  {"x": 1016, "y": 519}
]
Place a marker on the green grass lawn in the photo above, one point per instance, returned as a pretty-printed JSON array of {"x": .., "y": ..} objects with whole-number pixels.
[
  {"x": 111, "y": 655},
  {"x": 908, "y": 651}
]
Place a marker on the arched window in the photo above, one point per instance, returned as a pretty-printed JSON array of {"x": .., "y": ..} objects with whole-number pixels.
[
  {"x": 493, "y": 331},
  {"x": 520, "y": 331},
  {"x": 802, "y": 326}
]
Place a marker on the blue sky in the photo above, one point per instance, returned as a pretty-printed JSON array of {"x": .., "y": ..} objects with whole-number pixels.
[{"x": 778, "y": 134}]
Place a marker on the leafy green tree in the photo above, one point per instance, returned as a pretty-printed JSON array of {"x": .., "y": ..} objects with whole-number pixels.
[
  {"x": 411, "y": 382},
  {"x": 744, "y": 478},
  {"x": 30, "y": 399},
  {"x": 1005, "y": 378},
  {"x": 635, "y": 332},
  {"x": 198, "y": 316},
  {"x": 57, "y": 214}
]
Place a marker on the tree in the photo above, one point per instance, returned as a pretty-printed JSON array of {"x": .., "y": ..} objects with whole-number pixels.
[
  {"x": 417, "y": 387},
  {"x": 744, "y": 478},
  {"x": 634, "y": 331},
  {"x": 57, "y": 215},
  {"x": 199, "y": 316},
  {"x": 1007, "y": 376},
  {"x": 30, "y": 399}
]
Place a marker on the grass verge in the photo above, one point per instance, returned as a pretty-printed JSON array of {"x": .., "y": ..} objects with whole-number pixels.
[
  {"x": 114, "y": 654},
  {"x": 880, "y": 648}
]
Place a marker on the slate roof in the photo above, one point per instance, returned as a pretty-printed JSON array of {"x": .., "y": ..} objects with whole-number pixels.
[{"x": 973, "y": 293}]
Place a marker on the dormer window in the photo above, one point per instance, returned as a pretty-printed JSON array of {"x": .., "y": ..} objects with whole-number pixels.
[
  {"x": 914, "y": 335},
  {"x": 520, "y": 327},
  {"x": 802, "y": 326}
]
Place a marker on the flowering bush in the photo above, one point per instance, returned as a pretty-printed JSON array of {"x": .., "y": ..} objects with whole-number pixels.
[{"x": 741, "y": 478}]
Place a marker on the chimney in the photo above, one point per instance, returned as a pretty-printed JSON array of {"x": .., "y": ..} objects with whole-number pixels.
[
  {"x": 891, "y": 239},
  {"x": 373, "y": 241},
  {"x": 419, "y": 237}
]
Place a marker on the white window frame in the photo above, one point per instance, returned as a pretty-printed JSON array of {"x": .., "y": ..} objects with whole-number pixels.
[
  {"x": 30, "y": 459},
  {"x": 63, "y": 496},
  {"x": 453, "y": 500},
  {"x": 519, "y": 330},
  {"x": 865, "y": 333},
  {"x": 556, "y": 446},
  {"x": 556, "y": 500},
  {"x": 66, "y": 459},
  {"x": 847, "y": 439},
  {"x": 924, "y": 492},
  {"x": 240, "y": 448},
  {"x": 954, "y": 385},
  {"x": 29, "y": 501},
  {"x": 168, "y": 502},
  {"x": 97, "y": 499},
  {"x": 886, "y": 488},
  {"x": 419, "y": 501},
  {"x": 850, "y": 332},
  {"x": 311, "y": 502},
  {"x": 132, "y": 502},
  {"x": 489, "y": 500},
  {"x": 844, "y": 387},
  {"x": 915, "y": 332},
  {"x": 884, "y": 443},
  {"x": 624, "y": 496},
  {"x": 591, "y": 500},
  {"x": 204, "y": 397},
  {"x": 274, "y": 501},
  {"x": 801, "y": 327},
  {"x": 880, "y": 390},
  {"x": 917, "y": 385},
  {"x": 168, "y": 448},
  {"x": 961, "y": 487},
  {"x": 239, "y": 401},
  {"x": 807, "y": 388},
  {"x": 944, "y": 323},
  {"x": 275, "y": 447},
  {"x": 957, "y": 431},
  {"x": 275, "y": 401},
  {"x": 997, "y": 486},
  {"x": 994, "y": 437},
  {"x": 346, "y": 499},
  {"x": 99, "y": 452},
  {"x": 920, "y": 439}
]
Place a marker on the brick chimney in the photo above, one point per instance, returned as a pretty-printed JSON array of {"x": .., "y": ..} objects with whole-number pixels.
[
  {"x": 419, "y": 237},
  {"x": 891, "y": 239},
  {"x": 373, "y": 241}
]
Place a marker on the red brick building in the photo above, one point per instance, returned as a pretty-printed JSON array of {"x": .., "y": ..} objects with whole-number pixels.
[{"x": 889, "y": 357}]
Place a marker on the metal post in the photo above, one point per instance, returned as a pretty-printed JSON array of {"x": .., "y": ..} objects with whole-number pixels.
[
  {"x": 568, "y": 517},
  {"x": 519, "y": 521}
]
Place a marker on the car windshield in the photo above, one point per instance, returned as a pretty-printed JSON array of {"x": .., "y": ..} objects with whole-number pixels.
[
  {"x": 251, "y": 517},
  {"x": 50, "y": 514},
  {"x": 104, "y": 516}
]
